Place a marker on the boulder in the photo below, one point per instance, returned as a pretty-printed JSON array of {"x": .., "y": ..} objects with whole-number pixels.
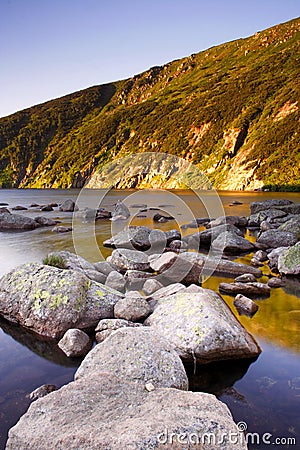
[
  {"x": 103, "y": 267},
  {"x": 255, "y": 207},
  {"x": 120, "y": 212},
  {"x": 275, "y": 238},
  {"x": 172, "y": 235},
  {"x": 188, "y": 267},
  {"x": 106, "y": 326},
  {"x": 150, "y": 286},
  {"x": 289, "y": 261},
  {"x": 237, "y": 221},
  {"x": 131, "y": 237},
  {"x": 261, "y": 255},
  {"x": 129, "y": 259},
  {"x": 49, "y": 301},
  {"x": 201, "y": 326},
  {"x": 276, "y": 282},
  {"x": 245, "y": 305},
  {"x": 251, "y": 289},
  {"x": 46, "y": 208},
  {"x": 245, "y": 278},
  {"x": 274, "y": 255},
  {"x": 10, "y": 221},
  {"x": 177, "y": 245},
  {"x": 166, "y": 291},
  {"x": 135, "y": 279},
  {"x": 132, "y": 308},
  {"x": 231, "y": 243},
  {"x": 45, "y": 222},
  {"x": 61, "y": 229},
  {"x": 136, "y": 354},
  {"x": 292, "y": 226},
  {"x": 131, "y": 418},
  {"x": 75, "y": 343},
  {"x": 116, "y": 281},
  {"x": 68, "y": 206},
  {"x": 19, "y": 208},
  {"x": 206, "y": 237},
  {"x": 95, "y": 276},
  {"x": 161, "y": 218},
  {"x": 102, "y": 214}
]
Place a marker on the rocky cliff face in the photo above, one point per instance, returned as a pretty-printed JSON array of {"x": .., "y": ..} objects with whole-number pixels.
[{"x": 231, "y": 111}]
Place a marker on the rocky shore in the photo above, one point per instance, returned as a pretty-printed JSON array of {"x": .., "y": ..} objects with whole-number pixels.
[{"x": 149, "y": 316}]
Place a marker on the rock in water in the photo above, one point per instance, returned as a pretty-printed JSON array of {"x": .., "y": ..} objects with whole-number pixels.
[
  {"x": 289, "y": 261},
  {"x": 104, "y": 412},
  {"x": 10, "y": 221},
  {"x": 201, "y": 326},
  {"x": 252, "y": 289},
  {"x": 75, "y": 343},
  {"x": 256, "y": 207},
  {"x": 120, "y": 212},
  {"x": 245, "y": 305},
  {"x": 68, "y": 206},
  {"x": 231, "y": 243},
  {"x": 49, "y": 301},
  {"x": 136, "y": 354},
  {"x": 41, "y": 391}
]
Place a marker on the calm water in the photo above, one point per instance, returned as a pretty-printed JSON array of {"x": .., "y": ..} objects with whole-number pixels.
[{"x": 265, "y": 393}]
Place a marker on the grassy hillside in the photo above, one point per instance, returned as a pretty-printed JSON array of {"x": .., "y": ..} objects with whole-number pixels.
[{"x": 231, "y": 110}]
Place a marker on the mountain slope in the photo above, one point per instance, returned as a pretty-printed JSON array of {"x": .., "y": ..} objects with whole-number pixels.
[{"x": 231, "y": 110}]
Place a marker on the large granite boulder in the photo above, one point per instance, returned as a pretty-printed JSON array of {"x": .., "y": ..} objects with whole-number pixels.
[
  {"x": 68, "y": 206},
  {"x": 49, "y": 301},
  {"x": 200, "y": 325},
  {"x": 136, "y": 354},
  {"x": 105, "y": 412},
  {"x": 126, "y": 259},
  {"x": 189, "y": 267},
  {"x": 10, "y": 221},
  {"x": 231, "y": 243},
  {"x": 276, "y": 238},
  {"x": 292, "y": 226},
  {"x": 289, "y": 261},
  {"x": 255, "y": 207}
]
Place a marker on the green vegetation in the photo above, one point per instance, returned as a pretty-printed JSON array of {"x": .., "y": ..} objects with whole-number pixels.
[
  {"x": 55, "y": 261},
  {"x": 231, "y": 110}
]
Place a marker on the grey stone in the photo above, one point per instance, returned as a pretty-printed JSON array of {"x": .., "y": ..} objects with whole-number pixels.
[
  {"x": 131, "y": 418},
  {"x": 206, "y": 237},
  {"x": 103, "y": 267},
  {"x": 116, "y": 281},
  {"x": 237, "y": 221},
  {"x": 150, "y": 286},
  {"x": 276, "y": 282},
  {"x": 45, "y": 222},
  {"x": 275, "y": 238},
  {"x": 106, "y": 326},
  {"x": 10, "y": 221},
  {"x": 75, "y": 343},
  {"x": 231, "y": 243},
  {"x": 172, "y": 235},
  {"x": 129, "y": 259},
  {"x": 136, "y": 354},
  {"x": 131, "y": 237},
  {"x": 201, "y": 326},
  {"x": 68, "y": 206},
  {"x": 168, "y": 290},
  {"x": 120, "y": 212},
  {"x": 261, "y": 255},
  {"x": 245, "y": 278},
  {"x": 274, "y": 255},
  {"x": 46, "y": 208},
  {"x": 61, "y": 229},
  {"x": 41, "y": 391},
  {"x": 292, "y": 226},
  {"x": 245, "y": 305},
  {"x": 255, "y": 207},
  {"x": 19, "y": 208},
  {"x": 254, "y": 289},
  {"x": 132, "y": 308},
  {"x": 49, "y": 301},
  {"x": 95, "y": 275},
  {"x": 289, "y": 261},
  {"x": 178, "y": 245}
]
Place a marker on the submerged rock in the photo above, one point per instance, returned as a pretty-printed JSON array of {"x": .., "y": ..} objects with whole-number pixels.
[
  {"x": 49, "y": 301},
  {"x": 131, "y": 418},
  {"x": 199, "y": 324}
]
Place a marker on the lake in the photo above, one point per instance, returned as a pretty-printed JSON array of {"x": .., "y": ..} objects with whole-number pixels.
[{"x": 265, "y": 394}]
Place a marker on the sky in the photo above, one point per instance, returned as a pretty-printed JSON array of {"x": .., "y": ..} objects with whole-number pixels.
[{"x": 49, "y": 48}]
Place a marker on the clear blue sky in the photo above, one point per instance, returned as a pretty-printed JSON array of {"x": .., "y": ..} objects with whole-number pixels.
[{"x": 49, "y": 48}]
